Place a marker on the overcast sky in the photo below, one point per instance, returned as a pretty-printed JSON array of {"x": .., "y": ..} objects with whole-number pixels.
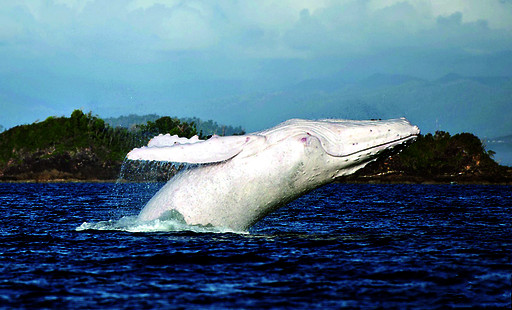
[{"x": 153, "y": 56}]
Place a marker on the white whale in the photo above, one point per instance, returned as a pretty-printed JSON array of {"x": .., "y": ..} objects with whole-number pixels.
[{"x": 241, "y": 179}]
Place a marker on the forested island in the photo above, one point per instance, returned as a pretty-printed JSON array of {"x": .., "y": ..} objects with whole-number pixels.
[
  {"x": 436, "y": 158},
  {"x": 79, "y": 147},
  {"x": 84, "y": 147}
]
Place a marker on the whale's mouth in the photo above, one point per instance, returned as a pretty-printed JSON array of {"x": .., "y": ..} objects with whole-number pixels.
[{"x": 392, "y": 145}]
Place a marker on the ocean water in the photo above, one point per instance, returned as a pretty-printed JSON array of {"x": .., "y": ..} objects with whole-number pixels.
[
  {"x": 503, "y": 151},
  {"x": 78, "y": 245}
]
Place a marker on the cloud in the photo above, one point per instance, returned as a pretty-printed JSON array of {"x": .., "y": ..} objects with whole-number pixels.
[
  {"x": 248, "y": 29},
  {"x": 50, "y": 49},
  {"x": 359, "y": 28}
]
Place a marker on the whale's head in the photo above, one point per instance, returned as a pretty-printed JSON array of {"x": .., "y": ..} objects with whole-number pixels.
[{"x": 343, "y": 146}]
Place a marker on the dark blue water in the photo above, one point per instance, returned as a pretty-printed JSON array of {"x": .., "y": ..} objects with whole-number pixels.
[{"x": 341, "y": 246}]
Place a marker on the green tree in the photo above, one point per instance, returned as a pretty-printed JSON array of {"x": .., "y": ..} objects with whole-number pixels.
[
  {"x": 168, "y": 125},
  {"x": 442, "y": 154}
]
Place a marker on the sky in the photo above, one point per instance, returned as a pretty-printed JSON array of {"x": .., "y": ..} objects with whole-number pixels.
[{"x": 180, "y": 57}]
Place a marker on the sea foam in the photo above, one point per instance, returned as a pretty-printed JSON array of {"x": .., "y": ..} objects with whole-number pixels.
[{"x": 166, "y": 224}]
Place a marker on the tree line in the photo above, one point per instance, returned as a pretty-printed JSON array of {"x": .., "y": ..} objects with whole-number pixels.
[
  {"x": 75, "y": 144},
  {"x": 203, "y": 128},
  {"x": 437, "y": 157},
  {"x": 57, "y": 135}
]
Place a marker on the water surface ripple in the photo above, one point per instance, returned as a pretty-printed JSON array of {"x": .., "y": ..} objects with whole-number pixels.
[{"x": 341, "y": 246}]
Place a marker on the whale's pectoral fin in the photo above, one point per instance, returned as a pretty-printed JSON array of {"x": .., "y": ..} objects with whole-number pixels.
[{"x": 215, "y": 149}]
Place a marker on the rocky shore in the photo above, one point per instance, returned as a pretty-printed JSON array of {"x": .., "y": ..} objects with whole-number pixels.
[{"x": 83, "y": 165}]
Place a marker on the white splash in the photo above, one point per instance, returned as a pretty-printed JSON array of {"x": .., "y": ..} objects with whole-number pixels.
[
  {"x": 168, "y": 140},
  {"x": 133, "y": 224}
]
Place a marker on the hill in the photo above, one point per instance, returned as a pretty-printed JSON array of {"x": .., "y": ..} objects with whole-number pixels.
[
  {"x": 79, "y": 147},
  {"x": 441, "y": 157}
]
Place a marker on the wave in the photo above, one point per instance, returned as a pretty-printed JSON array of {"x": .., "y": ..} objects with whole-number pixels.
[{"x": 172, "y": 222}]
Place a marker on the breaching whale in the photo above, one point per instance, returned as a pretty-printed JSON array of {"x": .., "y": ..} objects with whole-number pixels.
[{"x": 240, "y": 179}]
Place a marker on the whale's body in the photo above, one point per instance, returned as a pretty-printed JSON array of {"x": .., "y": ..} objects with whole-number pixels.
[{"x": 240, "y": 179}]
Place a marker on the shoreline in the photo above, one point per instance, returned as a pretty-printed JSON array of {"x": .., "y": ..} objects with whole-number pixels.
[
  {"x": 437, "y": 179},
  {"x": 426, "y": 182},
  {"x": 357, "y": 180},
  {"x": 61, "y": 181}
]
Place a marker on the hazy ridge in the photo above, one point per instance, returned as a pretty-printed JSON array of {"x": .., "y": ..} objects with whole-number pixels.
[{"x": 454, "y": 103}]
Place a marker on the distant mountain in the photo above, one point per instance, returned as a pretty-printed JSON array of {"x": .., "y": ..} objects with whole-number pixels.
[
  {"x": 327, "y": 84},
  {"x": 501, "y": 139},
  {"x": 380, "y": 80},
  {"x": 454, "y": 103},
  {"x": 494, "y": 81}
]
